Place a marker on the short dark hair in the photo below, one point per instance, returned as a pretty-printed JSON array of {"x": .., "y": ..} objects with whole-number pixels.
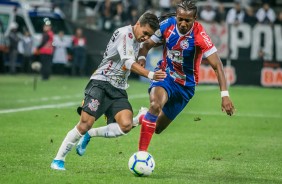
[
  {"x": 151, "y": 19},
  {"x": 188, "y": 5}
]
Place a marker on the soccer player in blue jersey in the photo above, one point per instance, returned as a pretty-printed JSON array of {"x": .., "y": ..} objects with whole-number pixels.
[{"x": 184, "y": 42}]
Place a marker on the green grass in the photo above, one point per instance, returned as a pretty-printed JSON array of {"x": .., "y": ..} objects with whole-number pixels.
[{"x": 245, "y": 148}]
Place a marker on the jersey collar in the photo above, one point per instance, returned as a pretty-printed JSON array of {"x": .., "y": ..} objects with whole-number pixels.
[{"x": 180, "y": 34}]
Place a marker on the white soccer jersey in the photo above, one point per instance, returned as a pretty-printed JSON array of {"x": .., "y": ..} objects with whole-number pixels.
[{"x": 121, "y": 52}]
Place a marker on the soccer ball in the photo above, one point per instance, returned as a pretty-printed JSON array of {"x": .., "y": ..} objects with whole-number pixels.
[{"x": 141, "y": 163}]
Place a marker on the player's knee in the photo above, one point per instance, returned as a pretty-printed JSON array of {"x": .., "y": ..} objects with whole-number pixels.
[
  {"x": 156, "y": 107},
  {"x": 84, "y": 125},
  {"x": 126, "y": 127}
]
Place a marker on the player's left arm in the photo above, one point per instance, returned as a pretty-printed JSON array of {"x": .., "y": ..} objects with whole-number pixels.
[{"x": 226, "y": 104}]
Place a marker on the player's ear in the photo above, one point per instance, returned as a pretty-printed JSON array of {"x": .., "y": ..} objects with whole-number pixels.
[{"x": 137, "y": 23}]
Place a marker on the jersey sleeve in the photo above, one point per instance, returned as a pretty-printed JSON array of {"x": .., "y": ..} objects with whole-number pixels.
[
  {"x": 157, "y": 36},
  {"x": 125, "y": 49},
  {"x": 204, "y": 42}
]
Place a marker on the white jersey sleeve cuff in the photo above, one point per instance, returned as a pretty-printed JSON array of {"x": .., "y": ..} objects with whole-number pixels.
[
  {"x": 155, "y": 39},
  {"x": 210, "y": 52},
  {"x": 128, "y": 63}
]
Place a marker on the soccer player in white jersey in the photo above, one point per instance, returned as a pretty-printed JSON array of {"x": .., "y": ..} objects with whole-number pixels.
[{"x": 105, "y": 93}]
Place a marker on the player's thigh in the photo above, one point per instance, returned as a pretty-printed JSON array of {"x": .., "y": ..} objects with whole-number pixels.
[
  {"x": 124, "y": 119},
  {"x": 85, "y": 123},
  {"x": 162, "y": 123},
  {"x": 121, "y": 112}
]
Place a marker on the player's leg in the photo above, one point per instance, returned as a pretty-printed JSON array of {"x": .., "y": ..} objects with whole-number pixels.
[
  {"x": 158, "y": 97},
  {"x": 92, "y": 109},
  {"x": 162, "y": 123},
  {"x": 119, "y": 120},
  {"x": 72, "y": 137}
]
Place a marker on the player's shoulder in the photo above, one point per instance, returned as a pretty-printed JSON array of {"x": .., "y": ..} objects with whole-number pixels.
[
  {"x": 168, "y": 21},
  {"x": 198, "y": 27},
  {"x": 123, "y": 30}
]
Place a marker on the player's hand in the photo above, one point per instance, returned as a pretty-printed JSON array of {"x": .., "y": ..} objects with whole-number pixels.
[
  {"x": 159, "y": 75},
  {"x": 142, "y": 63},
  {"x": 227, "y": 106}
]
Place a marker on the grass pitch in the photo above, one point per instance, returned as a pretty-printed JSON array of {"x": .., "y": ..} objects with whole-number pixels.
[{"x": 202, "y": 145}]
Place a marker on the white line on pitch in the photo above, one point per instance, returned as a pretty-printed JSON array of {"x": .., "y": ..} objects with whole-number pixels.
[{"x": 50, "y": 106}]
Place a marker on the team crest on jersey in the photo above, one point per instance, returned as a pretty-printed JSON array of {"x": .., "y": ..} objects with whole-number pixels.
[
  {"x": 93, "y": 105},
  {"x": 184, "y": 44},
  {"x": 130, "y": 35}
]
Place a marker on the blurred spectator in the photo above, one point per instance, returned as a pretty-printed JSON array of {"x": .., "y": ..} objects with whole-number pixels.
[
  {"x": 60, "y": 57},
  {"x": 165, "y": 6},
  {"x": 120, "y": 17},
  {"x": 90, "y": 20},
  {"x": 279, "y": 18},
  {"x": 46, "y": 50},
  {"x": 13, "y": 47},
  {"x": 133, "y": 16},
  {"x": 106, "y": 15},
  {"x": 3, "y": 47},
  {"x": 220, "y": 13},
  {"x": 79, "y": 53},
  {"x": 250, "y": 16},
  {"x": 265, "y": 14},
  {"x": 25, "y": 49},
  {"x": 235, "y": 15},
  {"x": 208, "y": 14}
]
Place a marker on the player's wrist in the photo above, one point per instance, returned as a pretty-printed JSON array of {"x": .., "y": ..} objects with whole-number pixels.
[
  {"x": 141, "y": 57},
  {"x": 151, "y": 75},
  {"x": 224, "y": 93}
]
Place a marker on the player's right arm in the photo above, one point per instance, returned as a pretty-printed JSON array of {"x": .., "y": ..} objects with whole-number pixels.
[
  {"x": 140, "y": 70},
  {"x": 143, "y": 51},
  {"x": 126, "y": 53}
]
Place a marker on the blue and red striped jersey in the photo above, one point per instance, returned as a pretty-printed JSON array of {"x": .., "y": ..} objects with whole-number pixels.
[{"x": 182, "y": 54}]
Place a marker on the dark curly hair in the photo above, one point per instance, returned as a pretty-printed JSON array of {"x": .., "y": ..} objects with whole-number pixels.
[
  {"x": 151, "y": 19},
  {"x": 187, "y": 5}
]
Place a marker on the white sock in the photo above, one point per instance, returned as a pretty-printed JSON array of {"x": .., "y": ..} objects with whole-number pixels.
[
  {"x": 70, "y": 140},
  {"x": 110, "y": 131}
]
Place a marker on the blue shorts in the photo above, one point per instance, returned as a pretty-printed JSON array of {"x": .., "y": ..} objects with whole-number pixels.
[{"x": 178, "y": 96}]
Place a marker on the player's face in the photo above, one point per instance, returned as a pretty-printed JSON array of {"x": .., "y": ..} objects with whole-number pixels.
[
  {"x": 185, "y": 20},
  {"x": 143, "y": 33}
]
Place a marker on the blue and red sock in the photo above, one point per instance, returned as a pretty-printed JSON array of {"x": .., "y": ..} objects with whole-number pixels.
[{"x": 148, "y": 127}]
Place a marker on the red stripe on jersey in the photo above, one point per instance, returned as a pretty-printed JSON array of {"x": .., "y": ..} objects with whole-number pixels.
[
  {"x": 164, "y": 62},
  {"x": 197, "y": 61},
  {"x": 169, "y": 31},
  {"x": 178, "y": 67},
  {"x": 180, "y": 81}
]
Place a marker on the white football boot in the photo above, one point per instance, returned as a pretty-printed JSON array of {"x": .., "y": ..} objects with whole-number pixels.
[{"x": 142, "y": 111}]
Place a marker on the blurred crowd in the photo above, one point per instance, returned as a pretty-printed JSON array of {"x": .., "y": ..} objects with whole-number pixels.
[
  {"x": 55, "y": 54},
  {"x": 111, "y": 14},
  {"x": 69, "y": 55}
]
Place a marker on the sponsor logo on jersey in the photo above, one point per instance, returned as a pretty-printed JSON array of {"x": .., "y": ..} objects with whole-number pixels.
[
  {"x": 163, "y": 22},
  {"x": 130, "y": 35},
  {"x": 184, "y": 44},
  {"x": 124, "y": 45},
  {"x": 93, "y": 105},
  {"x": 206, "y": 39}
]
